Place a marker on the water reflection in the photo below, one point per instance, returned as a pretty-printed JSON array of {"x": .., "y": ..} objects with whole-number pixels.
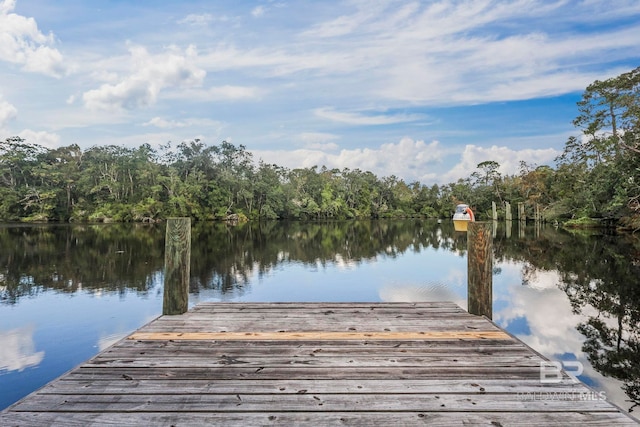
[
  {"x": 17, "y": 351},
  {"x": 93, "y": 258},
  {"x": 581, "y": 296},
  {"x": 567, "y": 295},
  {"x": 610, "y": 288},
  {"x": 428, "y": 292}
]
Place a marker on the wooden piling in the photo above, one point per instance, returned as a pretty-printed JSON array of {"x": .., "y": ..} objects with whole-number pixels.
[
  {"x": 507, "y": 211},
  {"x": 479, "y": 269},
  {"x": 521, "y": 213},
  {"x": 177, "y": 259}
]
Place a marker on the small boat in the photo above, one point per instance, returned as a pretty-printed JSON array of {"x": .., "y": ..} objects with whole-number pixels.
[{"x": 462, "y": 217}]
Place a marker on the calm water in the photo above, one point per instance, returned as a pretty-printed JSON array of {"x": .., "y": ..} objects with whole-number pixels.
[{"x": 69, "y": 291}]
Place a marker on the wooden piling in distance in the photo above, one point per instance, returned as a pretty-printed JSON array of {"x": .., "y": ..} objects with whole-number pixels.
[
  {"x": 521, "y": 213},
  {"x": 507, "y": 211},
  {"x": 177, "y": 259},
  {"x": 480, "y": 269}
]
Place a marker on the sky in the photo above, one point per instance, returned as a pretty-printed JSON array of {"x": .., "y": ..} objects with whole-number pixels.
[{"x": 423, "y": 90}]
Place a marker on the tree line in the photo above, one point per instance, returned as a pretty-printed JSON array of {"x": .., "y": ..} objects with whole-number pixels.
[{"x": 596, "y": 177}]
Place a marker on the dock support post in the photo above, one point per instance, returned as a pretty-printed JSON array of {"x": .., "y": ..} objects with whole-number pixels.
[
  {"x": 521, "y": 214},
  {"x": 177, "y": 259},
  {"x": 494, "y": 211},
  {"x": 480, "y": 269},
  {"x": 507, "y": 211}
]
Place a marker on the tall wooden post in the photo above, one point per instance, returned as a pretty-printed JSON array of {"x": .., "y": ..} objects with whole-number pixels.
[
  {"x": 177, "y": 259},
  {"x": 479, "y": 269},
  {"x": 521, "y": 215},
  {"x": 508, "y": 218},
  {"x": 494, "y": 211}
]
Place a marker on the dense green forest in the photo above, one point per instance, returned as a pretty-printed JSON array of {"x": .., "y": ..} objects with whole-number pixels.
[{"x": 597, "y": 177}]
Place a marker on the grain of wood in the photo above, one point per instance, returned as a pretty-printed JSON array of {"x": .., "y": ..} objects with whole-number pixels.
[{"x": 332, "y": 364}]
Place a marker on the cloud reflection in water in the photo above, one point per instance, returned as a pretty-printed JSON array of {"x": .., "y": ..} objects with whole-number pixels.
[{"x": 18, "y": 349}]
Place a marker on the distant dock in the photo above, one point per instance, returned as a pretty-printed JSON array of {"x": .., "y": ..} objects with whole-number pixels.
[{"x": 292, "y": 364}]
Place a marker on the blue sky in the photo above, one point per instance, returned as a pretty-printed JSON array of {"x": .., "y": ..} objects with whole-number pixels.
[{"x": 422, "y": 90}]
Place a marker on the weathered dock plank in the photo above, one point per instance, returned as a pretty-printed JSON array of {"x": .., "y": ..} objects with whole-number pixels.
[
  {"x": 315, "y": 364},
  {"x": 315, "y": 419}
]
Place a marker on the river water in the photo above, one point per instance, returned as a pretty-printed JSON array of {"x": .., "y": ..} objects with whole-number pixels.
[{"x": 69, "y": 291}]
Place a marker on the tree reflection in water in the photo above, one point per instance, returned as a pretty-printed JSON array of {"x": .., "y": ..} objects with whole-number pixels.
[
  {"x": 599, "y": 273},
  {"x": 609, "y": 282}
]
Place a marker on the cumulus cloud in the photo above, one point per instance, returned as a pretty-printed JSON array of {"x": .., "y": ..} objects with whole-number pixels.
[
  {"x": 46, "y": 139},
  {"x": 318, "y": 140},
  {"x": 407, "y": 159},
  {"x": 411, "y": 160},
  {"x": 21, "y": 42},
  {"x": 150, "y": 74},
  {"x": 17, "y": 351},
  {"x": 7, "y": 113},
  {"x": 509, "y": 160}
]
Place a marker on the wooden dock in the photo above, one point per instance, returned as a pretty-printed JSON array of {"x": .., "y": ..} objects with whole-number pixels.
[{"x": 315, "y": 364}]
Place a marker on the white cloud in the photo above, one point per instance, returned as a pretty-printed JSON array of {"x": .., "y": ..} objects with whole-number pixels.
[
  {"x": 163, "y": 124},
  {"x": 362, "y": 119},
  {"x": 17, "y": 351},
  {"x": 7, "y": 113},
  {"x": 366, "y": 12},
  {"x": 461, "y": 52},
  {"x": 173, "y": 124},
  {"x": 285, "y": 60},
  {"x": 233, "y": 92},
  {"x": 46, "y": 139},
  {"x": 21, "y": 42},
  {"x": 318, "y": 141},
  {"x": 196, "y": 19},
  {"x": 150, "y": 74},
  {"x": 7, "y": 6},
  {"x": 217, "y": 93},
  {"x": 408, "y": 159},
  {"x": 508, "y": 159},
  {"x": 258, "y": 11}
]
